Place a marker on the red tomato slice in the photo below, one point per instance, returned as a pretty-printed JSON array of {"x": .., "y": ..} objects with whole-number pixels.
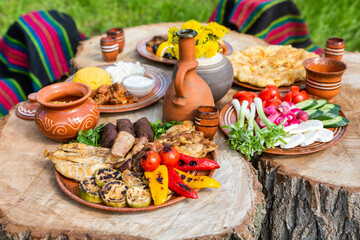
[
  {"x": 302, "y": 96},
  {"x": 295, "y": 90},
  {"x": 276, "y": 96},
  {"x": 272, "y": 102},
  {"x": 272, "y": 90},
  {"x": 265, "y": 94},
  {"x": 287, "y": 97}
]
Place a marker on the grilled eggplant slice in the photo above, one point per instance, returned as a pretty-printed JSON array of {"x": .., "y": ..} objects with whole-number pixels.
[
  {"x": 131, "y": 179},
  {"x": 113, "y": 194},
  {"x": 105, "y": 175},
  {"x": 138, "y": 197},
  {"x": 89, "y": 190}
]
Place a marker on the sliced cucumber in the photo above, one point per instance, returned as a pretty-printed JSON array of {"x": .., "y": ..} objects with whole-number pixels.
[
  {"x": 89, "y": 190},
  {"x": 138, "y": 197},
  {"x": 306, "y": 104},
  {"x": 331, "y": 106},
  {"x": 319, "y": 103},
  {"x": 339, "y": 121},
  {"x": 314, "y": 113},
  {"x": 328, "y": 113},
  {"x": 114, "y": 194},
  {"x": 105, "y": 175}
]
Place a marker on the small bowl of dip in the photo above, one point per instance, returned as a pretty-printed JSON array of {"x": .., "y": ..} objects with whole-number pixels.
[{"x": 139, "y": 85}]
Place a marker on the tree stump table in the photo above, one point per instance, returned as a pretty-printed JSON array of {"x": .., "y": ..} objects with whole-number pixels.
[{"x": 33, "y": 206}]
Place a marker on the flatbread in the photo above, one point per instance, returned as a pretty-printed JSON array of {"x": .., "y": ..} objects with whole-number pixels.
[{"x": 276, "y": 65}]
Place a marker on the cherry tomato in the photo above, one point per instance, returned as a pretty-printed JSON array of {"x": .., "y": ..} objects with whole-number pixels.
[
  {"x": 272, "y": 102},
  {"x": 295, "y": 90},
  {"x": 302, "y": 96},
  {"x": 150, "y": 161},
  {"x": 169, "y": 156},
  {"x": 288, "y": 97}
]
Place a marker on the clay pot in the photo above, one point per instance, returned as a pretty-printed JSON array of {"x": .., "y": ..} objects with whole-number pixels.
[
  {"x": 109, "y": 48},
  {"x": 188, "y": 91},
  {"x": 65, "y": 108},
  {"x": 26, "y": 110},
  {"x": 217, "y": 72},
  {"x": 323, "y": 77},
  {"x": 207, "y": 120},
  {"x": 335, "y": 48},
  {"x": 118, "y": 33}
]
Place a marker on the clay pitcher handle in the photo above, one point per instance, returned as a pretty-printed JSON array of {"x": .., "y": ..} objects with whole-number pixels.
[
  {"x": 224, "y": 49},
  {"x": 179, "y": 81}
]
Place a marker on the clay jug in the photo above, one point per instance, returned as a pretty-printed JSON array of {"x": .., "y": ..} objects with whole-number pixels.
[{"x": 187, "y": 91}]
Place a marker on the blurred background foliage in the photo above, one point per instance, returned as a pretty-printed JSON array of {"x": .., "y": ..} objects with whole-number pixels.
[{"x": 325, "y": 18}]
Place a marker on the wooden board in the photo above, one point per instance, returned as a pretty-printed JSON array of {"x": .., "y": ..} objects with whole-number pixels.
[{"x": 317, "y": 196}]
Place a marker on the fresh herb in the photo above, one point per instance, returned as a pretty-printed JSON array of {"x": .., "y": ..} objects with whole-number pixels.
[
  {"x": 159, "y": 127},
  {"x": 90, "y": 136}
]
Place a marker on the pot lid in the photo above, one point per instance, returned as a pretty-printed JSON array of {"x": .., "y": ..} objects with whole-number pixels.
[{"x": 26, "y": 110}]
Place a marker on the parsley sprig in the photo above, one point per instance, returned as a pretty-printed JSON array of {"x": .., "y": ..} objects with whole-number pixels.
[
  {"x": 159, "y": 127},
  {"x": 91, "y": 136}
]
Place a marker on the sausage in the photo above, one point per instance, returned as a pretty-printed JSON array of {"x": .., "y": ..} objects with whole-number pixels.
[
  {"x": 125, "y": 125},
  {"x": 108, "y": 135},
  {"x": 143, "y": 129}
]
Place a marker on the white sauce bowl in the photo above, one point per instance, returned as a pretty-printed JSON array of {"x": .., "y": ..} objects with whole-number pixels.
[{"x": 139, "y": 85}]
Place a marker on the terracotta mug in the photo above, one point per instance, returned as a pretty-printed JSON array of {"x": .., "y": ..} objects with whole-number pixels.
[
  {"x": 65, "y": 108},
  {"x": 118, "y": 33},
  {"x": 109, "y": 48},
  {"x": 334, "y": 48},
  {"x": 207, "y": 120}
]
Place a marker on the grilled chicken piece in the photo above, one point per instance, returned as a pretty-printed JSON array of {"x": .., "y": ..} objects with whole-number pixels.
[{"x": 85, "y": 149}]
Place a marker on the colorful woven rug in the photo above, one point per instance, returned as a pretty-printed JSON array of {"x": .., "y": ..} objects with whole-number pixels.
[
  {"x": 276, "y": 21},
  {"x": 35, "y": 51}
]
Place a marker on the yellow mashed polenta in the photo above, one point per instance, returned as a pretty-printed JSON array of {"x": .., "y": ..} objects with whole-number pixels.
[{"x": 92, "y": 76}]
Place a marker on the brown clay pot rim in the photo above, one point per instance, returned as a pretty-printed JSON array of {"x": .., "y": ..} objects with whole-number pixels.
[
  {"x": 58, "y": 87},
  {"x": 115, "y": 30},
  {"x": 335, "y": 40},
  {"x": 307, "y": 63}
]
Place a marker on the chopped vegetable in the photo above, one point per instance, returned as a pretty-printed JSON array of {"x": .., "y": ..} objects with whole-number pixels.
[
  {"x": 177, "y": 185},
  {"x": 159, "y": 127},
  {"x": 197, "y": 181},
  {"x": 105, "y": 175},
  {"x": 138, "y": 197},
  {"x": 89, "y": 190},
  {"x": 113, "y": 194},
  {"x": 131, "y": 179},
  {"x": 188, "y": 163},
  {"x": 245, "y": 96},
  {"x": 158, "y": 183},
  {"x": 90, "y": 136}
]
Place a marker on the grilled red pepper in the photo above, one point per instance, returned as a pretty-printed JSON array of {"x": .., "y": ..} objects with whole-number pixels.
[
  {"x": 177, "y": 185},
  {"x": 188, "y": 163}
]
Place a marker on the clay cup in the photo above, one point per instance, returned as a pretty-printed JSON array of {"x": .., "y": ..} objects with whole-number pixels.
[
  {"x": 334, "y": 48},
  {"x": 207, "y": 120},
  {"x": 323, "y": 77},
  {"x": 109, "y": 48},
  {"x": 118, "y": 33}
]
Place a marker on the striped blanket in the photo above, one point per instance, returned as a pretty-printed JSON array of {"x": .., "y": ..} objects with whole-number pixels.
[
  {"x": 276, "y": 21},
  {"x": 35, "y": 51}
]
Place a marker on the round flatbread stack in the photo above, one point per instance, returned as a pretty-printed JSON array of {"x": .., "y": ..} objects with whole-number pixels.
[{"x": 276, "y": 65}]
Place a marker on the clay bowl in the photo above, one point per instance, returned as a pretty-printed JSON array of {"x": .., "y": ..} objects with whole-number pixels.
[
  {"x": 65, "y": 108},
  {"x": 323, "y": 77}
]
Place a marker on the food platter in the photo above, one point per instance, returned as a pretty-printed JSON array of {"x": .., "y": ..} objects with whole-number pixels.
[
  {"x": 281, "y": 89},
  {"x": 70, "y": 188},
  {"x": 227, "y": 117},
  {"x": 144, "y": 51},
  {"x": 162, "y": 82}
]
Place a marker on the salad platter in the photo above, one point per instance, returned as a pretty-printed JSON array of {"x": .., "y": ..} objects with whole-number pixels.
[
  {"x": 148, "y": 53},
  {"x": 162, "y": 81}
]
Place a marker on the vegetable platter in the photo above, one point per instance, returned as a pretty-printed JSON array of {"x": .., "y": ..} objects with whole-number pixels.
[{"x": 317, "y": 124}]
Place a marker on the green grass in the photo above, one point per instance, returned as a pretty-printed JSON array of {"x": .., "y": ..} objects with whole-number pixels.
[{"x": 325, "y": 18}]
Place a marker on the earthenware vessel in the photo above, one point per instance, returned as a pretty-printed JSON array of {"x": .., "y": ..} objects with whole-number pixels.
[
  {"x": 323, "y": 77},
  {"x": 334, "y": 48},
  {"x": 26, "y": 110},
  {"x": 65, "y": 108},
  {"x": 119, "y": 35},
  {"x": 109, "y": 48},
  {"x": 217, "y": 72},
  {"x": 207, "y": 120},
  {"x": 187, "y": 91}
]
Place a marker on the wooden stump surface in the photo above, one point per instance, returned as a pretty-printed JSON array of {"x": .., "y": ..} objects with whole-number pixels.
[{"x": 32, "y": 204}]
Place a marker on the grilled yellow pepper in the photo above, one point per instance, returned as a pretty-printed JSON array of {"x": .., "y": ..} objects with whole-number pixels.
[
  {"x": 158, "y": 183},
  {"x": 197, "y": 181}
]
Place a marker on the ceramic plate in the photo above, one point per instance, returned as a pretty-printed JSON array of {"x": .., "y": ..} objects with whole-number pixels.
[
  {"x": 162, "y": 82},
  {"x": 149, "y": 54},
  {"x": 70, "y": 188},
  {"x": 228, "y": 117},
  {"x": 283, "y": 89}
]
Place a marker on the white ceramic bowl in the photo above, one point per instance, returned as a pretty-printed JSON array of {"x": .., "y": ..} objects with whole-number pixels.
[{"x": 139, "y": 85}]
